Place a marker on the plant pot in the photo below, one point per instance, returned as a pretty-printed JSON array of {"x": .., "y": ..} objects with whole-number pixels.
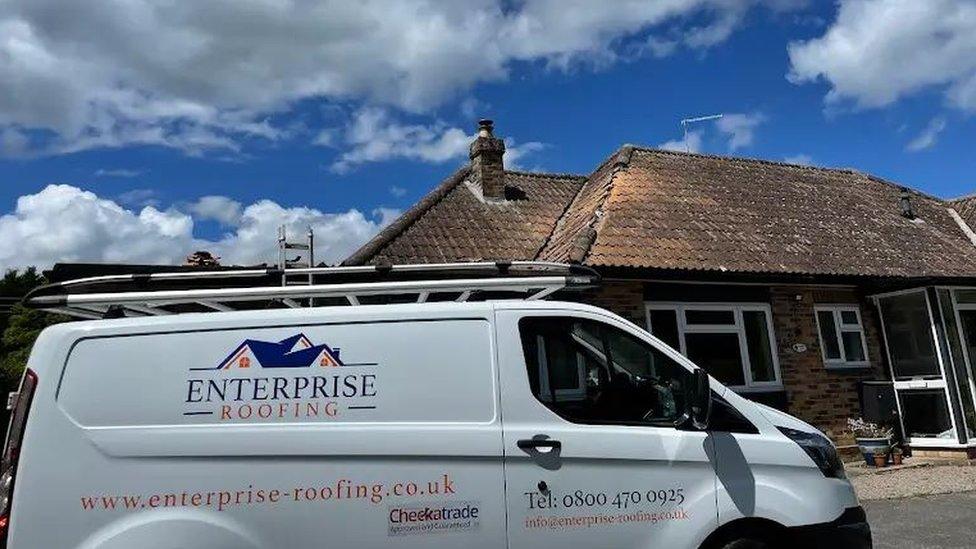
[
  {"x": 880, "y": 460},
  {"x": 871, "y": 446},
  {"x": 896, "y": 458}
]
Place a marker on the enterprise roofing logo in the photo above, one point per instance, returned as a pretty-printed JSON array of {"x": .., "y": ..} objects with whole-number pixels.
[
  {"x": 296, "y": 351},
  {"x": 280, "y": 380}
]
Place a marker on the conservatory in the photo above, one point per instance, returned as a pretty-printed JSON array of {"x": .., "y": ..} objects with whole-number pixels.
[{"x": 930, "y": 340}]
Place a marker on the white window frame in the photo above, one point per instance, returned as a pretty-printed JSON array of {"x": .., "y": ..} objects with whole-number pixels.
[
  {"x": 837, "y": 311},
  {"x": 737, "y": 327},
  {"x": 920, "y": 382},
  {"x": 562, "y": 395}
]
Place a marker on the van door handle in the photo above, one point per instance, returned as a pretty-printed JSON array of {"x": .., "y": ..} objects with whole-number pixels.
[{"x": 536, "y": 443}]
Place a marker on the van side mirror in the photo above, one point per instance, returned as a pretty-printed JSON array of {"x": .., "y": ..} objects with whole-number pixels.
[{"x": 700, "y": 401}]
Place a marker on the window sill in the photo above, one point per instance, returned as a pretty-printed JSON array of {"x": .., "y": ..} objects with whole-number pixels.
[
  {"x": 756, "y": 388},
  {"x": 847, "y": 366}
]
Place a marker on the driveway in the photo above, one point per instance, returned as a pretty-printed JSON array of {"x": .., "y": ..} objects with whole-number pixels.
[{"x": 927, "y": 522}]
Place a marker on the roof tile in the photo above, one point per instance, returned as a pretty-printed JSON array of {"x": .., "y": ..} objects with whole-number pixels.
[
  {"x": 655, "y": 209},
  {"x": 455, "y": 223}
]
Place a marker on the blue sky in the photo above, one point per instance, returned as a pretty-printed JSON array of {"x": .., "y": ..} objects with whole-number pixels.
[{"x": 203, "y": 127}]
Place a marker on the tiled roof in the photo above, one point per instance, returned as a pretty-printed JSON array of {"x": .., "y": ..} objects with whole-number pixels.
[
  {"x": 966, "y": 208},
  {"x": 455, "y": 223},
  {"x": 667, "y": 210},
  {"x": 653, "y": 209}
]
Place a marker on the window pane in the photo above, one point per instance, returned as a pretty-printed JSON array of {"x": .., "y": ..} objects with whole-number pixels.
[
  {"x": 926, "y": 413},
  {"x": 757, "y": 339},
  {"x": 908, "y": 330},
  {"x": 624, "y": 380},
  {"x": 828, "y": 334},
  {"x": 966, "y": 296},
  {"x": 849, "y": 317},
  {"x": 588, "y": 335},
  {"x": 853, "y": 347},
  {"x": 562, "y": 366},
  {"x": 646, "y": 384},
  {"x": 698, "y": 316},
  {"x": 968, "y": 329},
  {"x": 718, "y": 354},
  {"x": 664, "y": 325}
]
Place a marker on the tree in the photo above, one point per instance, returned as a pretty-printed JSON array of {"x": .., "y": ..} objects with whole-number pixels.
[
  {"x": 21, "y": 327},
  {"x": 13, "y": 286},
  {"x": 22, "y": 330}
]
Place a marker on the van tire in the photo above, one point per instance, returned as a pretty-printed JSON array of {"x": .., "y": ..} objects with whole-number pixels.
[{"x": 746, "y": 543}]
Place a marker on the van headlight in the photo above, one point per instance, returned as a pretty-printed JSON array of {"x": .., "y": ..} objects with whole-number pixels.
[{"x": 820, "y": 450}]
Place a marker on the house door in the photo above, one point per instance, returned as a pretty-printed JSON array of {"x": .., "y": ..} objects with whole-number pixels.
[{"x": 917, "y": 367}]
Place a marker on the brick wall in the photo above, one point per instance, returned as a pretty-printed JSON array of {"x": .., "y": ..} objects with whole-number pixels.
[
  {"x": 822, "y": 397},
  {"x": 625, "y": 298},
  {"x": 825, "y": 398}
]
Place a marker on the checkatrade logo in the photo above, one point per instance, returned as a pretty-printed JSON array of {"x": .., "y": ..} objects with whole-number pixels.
[
  {"x": 292, "y": 379},
  {"x": 296, "y": 351}
]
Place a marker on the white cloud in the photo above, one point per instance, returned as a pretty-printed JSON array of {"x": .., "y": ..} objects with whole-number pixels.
[
  {"x": 65, "y": 223},
  {"x": 374, "y": 136},
  {"x": 210, "y": 76},
  {"x": 398, "y": 191},
  {"x": 801, "y": 159},
  {"x": 336, "y": 234},
  {"x": 878, "y": 51},
  {"x": 929, "y": 135},
  {"x": 386, "y": 215},
  {"x": 326, "y": 138},
  {"x": 225, "y": 210},
  {"x": 117, "y": 172},
  {"x": 514, "y": 152},
  {"x": 692, "y": 144},
  {"x": 740, "y": 129},
  {"x": 139, "y": 197},
  {"x": 13, "y": 143}
]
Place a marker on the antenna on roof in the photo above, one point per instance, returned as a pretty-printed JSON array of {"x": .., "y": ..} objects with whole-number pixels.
[{"x": 686, "y": 121}]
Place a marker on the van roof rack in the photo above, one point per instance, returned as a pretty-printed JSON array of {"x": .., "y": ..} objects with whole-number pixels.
[{"x": 173, "y": 292}]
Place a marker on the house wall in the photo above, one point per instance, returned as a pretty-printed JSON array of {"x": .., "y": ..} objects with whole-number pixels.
[
  {"x": 823, "y": 397},
  {"x": 820, "y": 396}
]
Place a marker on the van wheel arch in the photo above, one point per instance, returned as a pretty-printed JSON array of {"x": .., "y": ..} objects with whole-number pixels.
[{"x": 759, "y": 529}]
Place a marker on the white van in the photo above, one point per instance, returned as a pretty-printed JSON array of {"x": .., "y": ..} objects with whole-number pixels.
[{"x": 500, "y": 423}]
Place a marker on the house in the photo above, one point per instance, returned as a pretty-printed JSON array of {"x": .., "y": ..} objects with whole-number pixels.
[{"x": 791, "y": 284}]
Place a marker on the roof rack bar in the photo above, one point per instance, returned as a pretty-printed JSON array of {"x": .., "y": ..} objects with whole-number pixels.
[
  {"x": 151, "y": 311},
  {"x": 170, "y": 297},
  {"x": 499, "y": 266},
  {"x": 215, "y": 306},
  {"x": 136, "y": 297},
  {"x": 75, "y": 312},
  {"x": 542, "y": 293}
]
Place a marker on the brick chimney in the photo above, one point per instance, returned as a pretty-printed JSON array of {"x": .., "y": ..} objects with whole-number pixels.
[{"x": 487, "y": 167}]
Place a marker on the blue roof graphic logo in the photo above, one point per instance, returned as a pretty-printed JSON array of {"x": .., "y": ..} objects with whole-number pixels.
[{"x": 296, "y": 351}]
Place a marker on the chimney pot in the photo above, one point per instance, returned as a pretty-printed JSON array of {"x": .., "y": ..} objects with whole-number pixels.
[
  {"x": 487, "y": 165},
  {"x": 486, "y": 128}
]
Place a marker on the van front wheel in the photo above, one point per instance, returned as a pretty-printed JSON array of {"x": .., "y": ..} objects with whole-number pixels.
[{"x": 746, "y": 543}]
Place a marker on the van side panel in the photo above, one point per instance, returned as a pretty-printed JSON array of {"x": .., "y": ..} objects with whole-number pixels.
[{"x": 328, "y": 433}]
